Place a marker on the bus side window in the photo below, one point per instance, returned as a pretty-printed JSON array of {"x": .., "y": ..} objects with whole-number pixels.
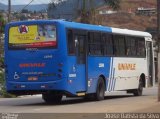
[
  {"x": 71, "y": 43},
  {"x": 110, "y": 44},
  {"x": 133, "y": 47},
  {"x": 128, "y": 46},
  {"x": 119, "y": 45},
  {"x": 141, "y": 47},
  {"x": 90, "y": 43},
  {"x": 94, "y": 44},
  {"x": 107, "y": 44}
]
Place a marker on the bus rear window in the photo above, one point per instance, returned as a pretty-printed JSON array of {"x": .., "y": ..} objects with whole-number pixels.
[{"x": 32, "y": 36}]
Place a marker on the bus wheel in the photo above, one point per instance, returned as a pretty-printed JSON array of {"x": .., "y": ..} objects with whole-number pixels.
[
  {"x": 51, "y": 98},
  {"x": 138, "y": 92},
  {"x": 100, "y": 90}
]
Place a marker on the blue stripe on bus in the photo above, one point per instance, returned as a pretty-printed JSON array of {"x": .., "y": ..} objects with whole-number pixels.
[
  {"x": 113, "y": 84},
  {"x": 109, "y": 75},
  {"x": 110, "y": 78}
]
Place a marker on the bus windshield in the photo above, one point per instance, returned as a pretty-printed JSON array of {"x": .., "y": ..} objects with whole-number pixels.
[{"x": 32, "y": 36}]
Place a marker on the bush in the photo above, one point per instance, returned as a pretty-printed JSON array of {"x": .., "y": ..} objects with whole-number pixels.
[{"x": 3, "y": 92}]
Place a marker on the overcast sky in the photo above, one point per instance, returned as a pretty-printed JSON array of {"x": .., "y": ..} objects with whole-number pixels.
[{"x": 22, "y": 2}]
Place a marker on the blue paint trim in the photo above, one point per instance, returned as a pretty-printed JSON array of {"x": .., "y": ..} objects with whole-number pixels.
[
  {"x": 113, "y": 85},
  {"x": 111, "y": 73}
]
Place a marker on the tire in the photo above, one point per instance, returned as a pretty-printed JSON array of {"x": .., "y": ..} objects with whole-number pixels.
[
  {"x": 139, "y": 91},
  {"x": 51, "y": 98},
  {"x": 99, "y": 95}
]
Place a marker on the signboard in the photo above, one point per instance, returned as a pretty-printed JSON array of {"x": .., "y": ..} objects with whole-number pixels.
[{"x": 32, "y": 36}]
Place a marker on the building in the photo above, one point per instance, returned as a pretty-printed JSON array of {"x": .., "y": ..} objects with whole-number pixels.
[{"x": 146, "y": 11}]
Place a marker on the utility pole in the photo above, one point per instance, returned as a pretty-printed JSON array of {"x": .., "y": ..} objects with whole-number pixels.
[
  {"x": 158, "y": 41},
  {"x": 87, "y": 14},
  {"x": 9, "y": 10},
  {"x": 84, "y": 12}
]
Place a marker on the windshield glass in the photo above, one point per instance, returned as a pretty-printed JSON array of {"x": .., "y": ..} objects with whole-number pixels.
[{"x": 32, "y": 36}]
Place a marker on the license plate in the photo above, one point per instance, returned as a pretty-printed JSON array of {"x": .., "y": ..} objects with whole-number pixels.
[{"x": 32, "y": 78}]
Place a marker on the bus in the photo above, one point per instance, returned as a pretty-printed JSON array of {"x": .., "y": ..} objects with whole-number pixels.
[{"x": 57, "y": 57}]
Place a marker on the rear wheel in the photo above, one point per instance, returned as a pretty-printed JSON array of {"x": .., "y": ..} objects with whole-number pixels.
[
  {"x": 51, "y": 98},
  {"x": 99, "y": 95}
]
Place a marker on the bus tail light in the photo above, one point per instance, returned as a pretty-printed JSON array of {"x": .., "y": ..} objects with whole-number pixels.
[{"x": 69, "y": 81}]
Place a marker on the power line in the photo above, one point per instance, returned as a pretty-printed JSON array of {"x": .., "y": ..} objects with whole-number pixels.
[
  {"x": 9, "y": 10},
  {"x": 26, "y": 5}
]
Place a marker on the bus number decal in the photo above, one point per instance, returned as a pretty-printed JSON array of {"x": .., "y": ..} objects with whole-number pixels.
[
  {"x": 101, "y": 65},
  {"x": 72, "y": 75}
]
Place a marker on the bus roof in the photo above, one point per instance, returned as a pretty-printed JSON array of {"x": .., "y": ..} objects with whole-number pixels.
[
  {"x": 131, "y": 32},
  {"x": 106, "y": 29},
  {"x": 76, "y": 25}
]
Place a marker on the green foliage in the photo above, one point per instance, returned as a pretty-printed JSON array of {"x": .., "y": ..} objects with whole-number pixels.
[
  {"x": 88, "y": 16},
  {"x": 2, "y": 24},
  {"x": 3, "y": 92},
  {"x": 114, "y": 4}
]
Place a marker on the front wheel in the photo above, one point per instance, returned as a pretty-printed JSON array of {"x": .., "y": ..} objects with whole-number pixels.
[
  {"x": 99, "y": 95},
  {"x": 139, "y": 91}
]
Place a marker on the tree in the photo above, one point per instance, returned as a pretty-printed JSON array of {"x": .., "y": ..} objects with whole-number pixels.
[
  {"x": 51, "y": 6},
  {"x": 2, "y": 24},
  {"x": 115, "y": 4},
  {"x": 24, "y": 11},
  {"x": 88, "y": 15}
]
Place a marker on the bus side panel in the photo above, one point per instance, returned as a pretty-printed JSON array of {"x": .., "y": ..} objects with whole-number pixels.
[
  {"x": 97, "y": 66},
  {"x": 127, "y": 72}
]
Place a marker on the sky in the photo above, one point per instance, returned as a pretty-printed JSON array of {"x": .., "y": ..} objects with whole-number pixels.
[{"x": 24, "y": 2}]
